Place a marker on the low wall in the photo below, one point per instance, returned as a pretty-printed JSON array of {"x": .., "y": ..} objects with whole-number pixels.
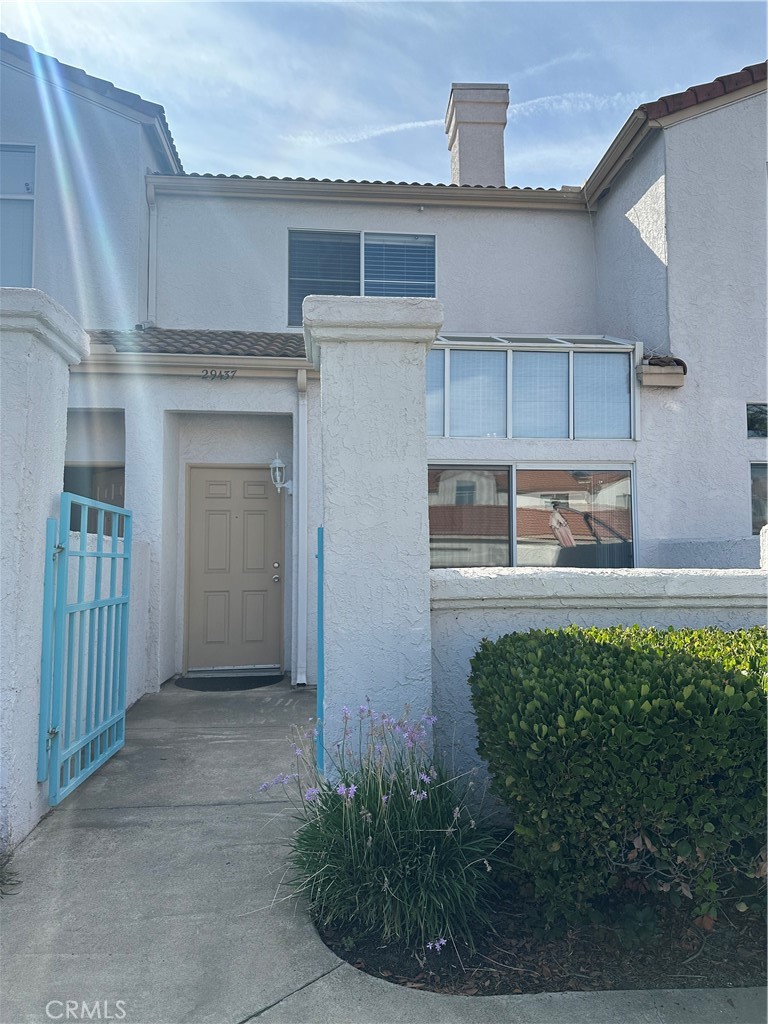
[{"x": 469, "y": 604}]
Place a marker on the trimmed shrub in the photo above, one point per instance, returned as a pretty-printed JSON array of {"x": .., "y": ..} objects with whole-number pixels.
[
  {"x": 386, "y": 843},
  {"x": 629, "y": 758}
]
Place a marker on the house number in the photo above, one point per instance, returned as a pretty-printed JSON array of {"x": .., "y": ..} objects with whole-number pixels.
[{"x": 217, "y": 374}]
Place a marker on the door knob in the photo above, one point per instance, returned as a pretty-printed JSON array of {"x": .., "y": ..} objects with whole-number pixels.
[{"x": 275, "y": 579}]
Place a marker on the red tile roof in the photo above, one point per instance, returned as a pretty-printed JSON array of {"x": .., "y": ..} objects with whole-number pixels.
[
  {"x": 173, "y": 341},
  {"x": 696, "y": 94},
  {"x": 487, "y": 522}
]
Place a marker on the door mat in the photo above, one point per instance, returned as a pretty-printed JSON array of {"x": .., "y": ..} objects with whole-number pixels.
[{"x": 223, "y": 684}]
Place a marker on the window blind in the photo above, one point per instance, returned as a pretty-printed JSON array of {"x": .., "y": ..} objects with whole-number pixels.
[
  {"x": 478, "y": 394},
  {"x": 435, "y": 392},
  {"x": 399, "y": 265},
  {"x": 601, "y": 394},
  {"x": 321, "y": 263},
  {"x": 539, "y": 394}
]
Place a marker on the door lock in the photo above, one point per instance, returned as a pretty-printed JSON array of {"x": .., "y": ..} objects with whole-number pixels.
[{"x": 275, "y": 579}]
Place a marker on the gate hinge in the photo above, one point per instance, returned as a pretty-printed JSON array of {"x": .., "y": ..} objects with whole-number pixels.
[
  {"x": 58, "y": 549},
  {"x": 53, "y": 731}
]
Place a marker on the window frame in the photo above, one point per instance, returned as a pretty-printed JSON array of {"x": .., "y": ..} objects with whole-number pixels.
[
  {"x": 548, "y": 343},
  {"x": 361, "y": 233},
  {"x": 569, "y": 466},
  {"x": 32, "y": 147}
]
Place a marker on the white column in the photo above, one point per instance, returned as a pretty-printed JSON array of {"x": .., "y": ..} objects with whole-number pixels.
[
  {"x": 38, "y": 342},
  {"x": 372, "y": 353}
]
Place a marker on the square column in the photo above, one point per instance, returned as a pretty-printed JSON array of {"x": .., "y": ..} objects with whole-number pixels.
[
  {"x": 38, "y": 342},
  {"x": 372, "y": 355}
]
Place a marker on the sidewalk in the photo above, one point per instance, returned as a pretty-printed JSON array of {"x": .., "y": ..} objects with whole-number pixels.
[{"x": 153, "y": 885}]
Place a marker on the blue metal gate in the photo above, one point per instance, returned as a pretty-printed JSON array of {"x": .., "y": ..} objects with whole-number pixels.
[{"x": 85, "y": 642}]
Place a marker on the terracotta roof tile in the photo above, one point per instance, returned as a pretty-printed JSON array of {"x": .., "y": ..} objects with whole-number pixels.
[
  {"x": 696, "y": 94},
  {"x": 180, "y": 341}
]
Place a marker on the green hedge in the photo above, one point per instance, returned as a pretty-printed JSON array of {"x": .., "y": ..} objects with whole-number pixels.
[{"x": 629, "y": 756}]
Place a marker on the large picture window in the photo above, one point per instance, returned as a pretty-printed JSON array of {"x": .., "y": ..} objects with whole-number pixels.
[
  {"x": 355, "y": 263},
  {"x": 580, "y": 518},
  {"x": 17, "y": 214},
  {"x": 528, "y": 388}
]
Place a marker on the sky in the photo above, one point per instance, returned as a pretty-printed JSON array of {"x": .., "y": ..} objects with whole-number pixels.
[{"x": 359, "y": 90}]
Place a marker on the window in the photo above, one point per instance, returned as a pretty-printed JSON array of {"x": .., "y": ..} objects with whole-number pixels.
[
  {"x": 759, "y": 475},
  {"x": 757, "y": 419},
  {"x": 581, "y": 518},
  {"x": 17, "y": 195},
  {"x": 338, "y": 262},
  {"x": 102, "y": 483},
  {"x": 527, "y": 388}
]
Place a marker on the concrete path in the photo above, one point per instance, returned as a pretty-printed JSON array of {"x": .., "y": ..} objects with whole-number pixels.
[{"x": 153, "y": 885}]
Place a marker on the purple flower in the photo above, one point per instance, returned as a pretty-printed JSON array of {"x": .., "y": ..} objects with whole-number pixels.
[
  {"x": 346, "y": 791},
  {"x": 425, "y": 778},
  {"x": 419, "y": 796},
  {"x": 280, "y": 780},
  {"x": 341, "y": 789},
  {"x": 385, "y": 799},
  {"x": 437, "y": 944},
  {"x": 346, "y": 714},
  {"x": 429, "y": 719},
  {"x": 311, "y": 794}
]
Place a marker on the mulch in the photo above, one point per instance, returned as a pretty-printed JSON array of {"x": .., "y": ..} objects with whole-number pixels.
[{"x": 665, "y": 949}]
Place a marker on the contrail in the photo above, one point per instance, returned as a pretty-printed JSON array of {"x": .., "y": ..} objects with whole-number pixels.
[{"x": 564, "y": 103}]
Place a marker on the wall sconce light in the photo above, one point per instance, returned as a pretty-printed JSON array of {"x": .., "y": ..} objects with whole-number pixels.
[{"x": 277, "y": 472}]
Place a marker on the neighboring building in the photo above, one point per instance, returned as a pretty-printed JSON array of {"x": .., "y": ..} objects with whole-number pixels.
[{"x": 552, "y": 439}]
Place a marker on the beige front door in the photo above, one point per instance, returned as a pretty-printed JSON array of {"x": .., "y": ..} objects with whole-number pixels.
[{"x": 235, "y": 569}]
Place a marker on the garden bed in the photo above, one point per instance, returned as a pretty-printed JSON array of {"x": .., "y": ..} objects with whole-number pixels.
[{"x": 673, "y": 952}]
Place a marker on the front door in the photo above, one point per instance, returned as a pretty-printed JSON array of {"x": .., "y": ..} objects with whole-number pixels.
[{"x": 234, "y": 569}]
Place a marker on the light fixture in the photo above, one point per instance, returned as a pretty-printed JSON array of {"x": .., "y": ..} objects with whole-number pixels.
[{"x": 277, "y": 472}]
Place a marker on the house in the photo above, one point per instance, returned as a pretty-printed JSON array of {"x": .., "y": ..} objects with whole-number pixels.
[{"x": 593, "y": 398}]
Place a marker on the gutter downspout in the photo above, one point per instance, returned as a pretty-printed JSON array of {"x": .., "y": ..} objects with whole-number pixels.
[
  {"x": 301, "y": 508},
  {"x": 152, "y": 255}
]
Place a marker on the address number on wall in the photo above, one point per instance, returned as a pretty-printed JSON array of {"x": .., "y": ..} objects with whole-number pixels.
[{"x": 217, "y": 374}]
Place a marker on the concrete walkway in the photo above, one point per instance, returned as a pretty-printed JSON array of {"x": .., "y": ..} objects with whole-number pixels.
[{"x": 153, "y": 883}]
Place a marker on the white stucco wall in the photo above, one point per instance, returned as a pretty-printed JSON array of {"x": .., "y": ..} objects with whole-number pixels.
[
  {"x": 372, "y": 355},
  {"x": 696, "y": 452},
  {"x": 631, "y": 251},
  {"x": 470, "y": 604},
  {"x": 90, "y": 206},
  {"x": 173, "y": 420},
  {"x": 38, "y": 340},
  {"x": 223, "y": 262}
]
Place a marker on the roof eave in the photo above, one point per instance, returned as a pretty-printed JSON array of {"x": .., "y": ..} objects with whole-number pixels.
[
  {"x": 366, "y": 192},
  {"x": 180, "y": 364}
]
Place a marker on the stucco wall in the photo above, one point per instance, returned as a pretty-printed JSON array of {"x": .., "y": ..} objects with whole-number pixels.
[
  {"x": 224, "y": 262},
  {"x": 37, "y": 341},
  {"x": 173, "y": 420},
  {"x": 469, "y": 604},
  {"x": 631, "y": 251},
  {"x": 696, "y": 452},
  {"x": 90, "y": 210}
]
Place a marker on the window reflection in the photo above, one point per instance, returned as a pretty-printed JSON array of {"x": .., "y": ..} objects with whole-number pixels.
[
  {"x": 468, "y": 517},
  {"x": 579, "y": 518}
]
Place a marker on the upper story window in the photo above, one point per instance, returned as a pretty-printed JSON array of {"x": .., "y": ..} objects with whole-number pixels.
[
  {"x": 357, "y": 263},
  {"x": 17, "y": 211},
  {"x": 530, "y": 387}
]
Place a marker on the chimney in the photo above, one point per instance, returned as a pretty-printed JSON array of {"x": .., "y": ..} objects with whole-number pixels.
[{"x": 474, "y": 124}]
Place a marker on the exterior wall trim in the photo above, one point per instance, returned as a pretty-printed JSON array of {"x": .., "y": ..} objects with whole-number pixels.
[
  {"x": 178, "y": 365},
  {"x": 373, "y": 192},
  {"x": 618, "y": 591}
]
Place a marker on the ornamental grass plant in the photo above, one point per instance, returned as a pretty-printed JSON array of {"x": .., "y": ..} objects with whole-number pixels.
[{"x": 388, "y": 843}]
